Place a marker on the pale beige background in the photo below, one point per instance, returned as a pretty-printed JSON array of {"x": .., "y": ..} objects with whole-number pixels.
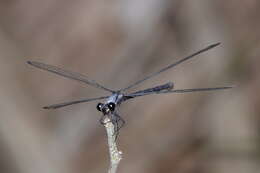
[{"x": 117, "y": 42}]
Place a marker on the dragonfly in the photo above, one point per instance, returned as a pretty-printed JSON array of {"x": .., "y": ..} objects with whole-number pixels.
[{"x": 110, "y": 106}]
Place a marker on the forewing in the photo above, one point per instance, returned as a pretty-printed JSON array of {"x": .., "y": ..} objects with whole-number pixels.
[
  {"x": 138, "y": 94},
  {"x": 68, "y": 74},
  {"x": 60, "y": 105},
  {"x": 171, "y": 66}
]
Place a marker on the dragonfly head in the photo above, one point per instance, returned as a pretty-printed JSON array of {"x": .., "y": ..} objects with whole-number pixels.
[{"x": 106, "y": 108}]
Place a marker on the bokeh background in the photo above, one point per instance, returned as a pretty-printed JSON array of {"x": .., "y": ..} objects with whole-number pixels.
[{"x": 117, "y": 42}]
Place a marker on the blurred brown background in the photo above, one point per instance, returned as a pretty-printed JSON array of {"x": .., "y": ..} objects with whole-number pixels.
[{"x": 117, "y": 42}]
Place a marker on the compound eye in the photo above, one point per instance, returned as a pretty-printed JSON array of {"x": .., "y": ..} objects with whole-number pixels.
[
  {"x": 111, "y": 106},
  {"x": 99, "y": 106}
]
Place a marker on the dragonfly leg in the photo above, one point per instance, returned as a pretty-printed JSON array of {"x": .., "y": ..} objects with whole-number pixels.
[
  {"x": 122, "y": 123},
  {"x": 102, "y": 119},
  {"x": 118, "y": 123},
  {"x": 116, "y": 120}
]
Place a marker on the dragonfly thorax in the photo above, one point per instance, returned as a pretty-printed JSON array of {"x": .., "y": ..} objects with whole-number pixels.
[
  {"x": 110, "y": 104},
  {"x": 115, "y": 98}
]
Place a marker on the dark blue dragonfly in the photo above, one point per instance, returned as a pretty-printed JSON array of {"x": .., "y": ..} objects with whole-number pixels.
[{"x": 109, "y": 107}]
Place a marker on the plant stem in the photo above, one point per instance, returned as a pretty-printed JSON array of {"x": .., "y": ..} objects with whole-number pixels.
[{"x": 115, "y": 154}]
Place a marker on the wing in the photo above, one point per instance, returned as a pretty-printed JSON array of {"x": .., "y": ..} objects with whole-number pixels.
[
  {"x": 171, "y": 66},
  {"x": 165, "y": 87},
  {"x": 59, "y": 105},
  {"x": 196, "y": 90},
  {"x": 68, "y": 74},
  {"x": 138, "y": 94}
]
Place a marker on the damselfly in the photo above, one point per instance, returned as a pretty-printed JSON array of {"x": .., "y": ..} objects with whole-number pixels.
[{"x": 109, "y": 107}]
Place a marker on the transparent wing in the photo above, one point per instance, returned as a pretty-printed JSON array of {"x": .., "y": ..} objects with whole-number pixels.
[
  {"x": 59, "y": 105},
  {"x": 165, "y": 87},
  {"x": 68, "y": 74},
  {"x": 171, "y": 66},
  {"x": 196, "y": 90},
  {"x": 138, "y": 94}
]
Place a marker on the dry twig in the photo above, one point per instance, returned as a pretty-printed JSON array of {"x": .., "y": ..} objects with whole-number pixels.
[{"x": 115, "y": 154}]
